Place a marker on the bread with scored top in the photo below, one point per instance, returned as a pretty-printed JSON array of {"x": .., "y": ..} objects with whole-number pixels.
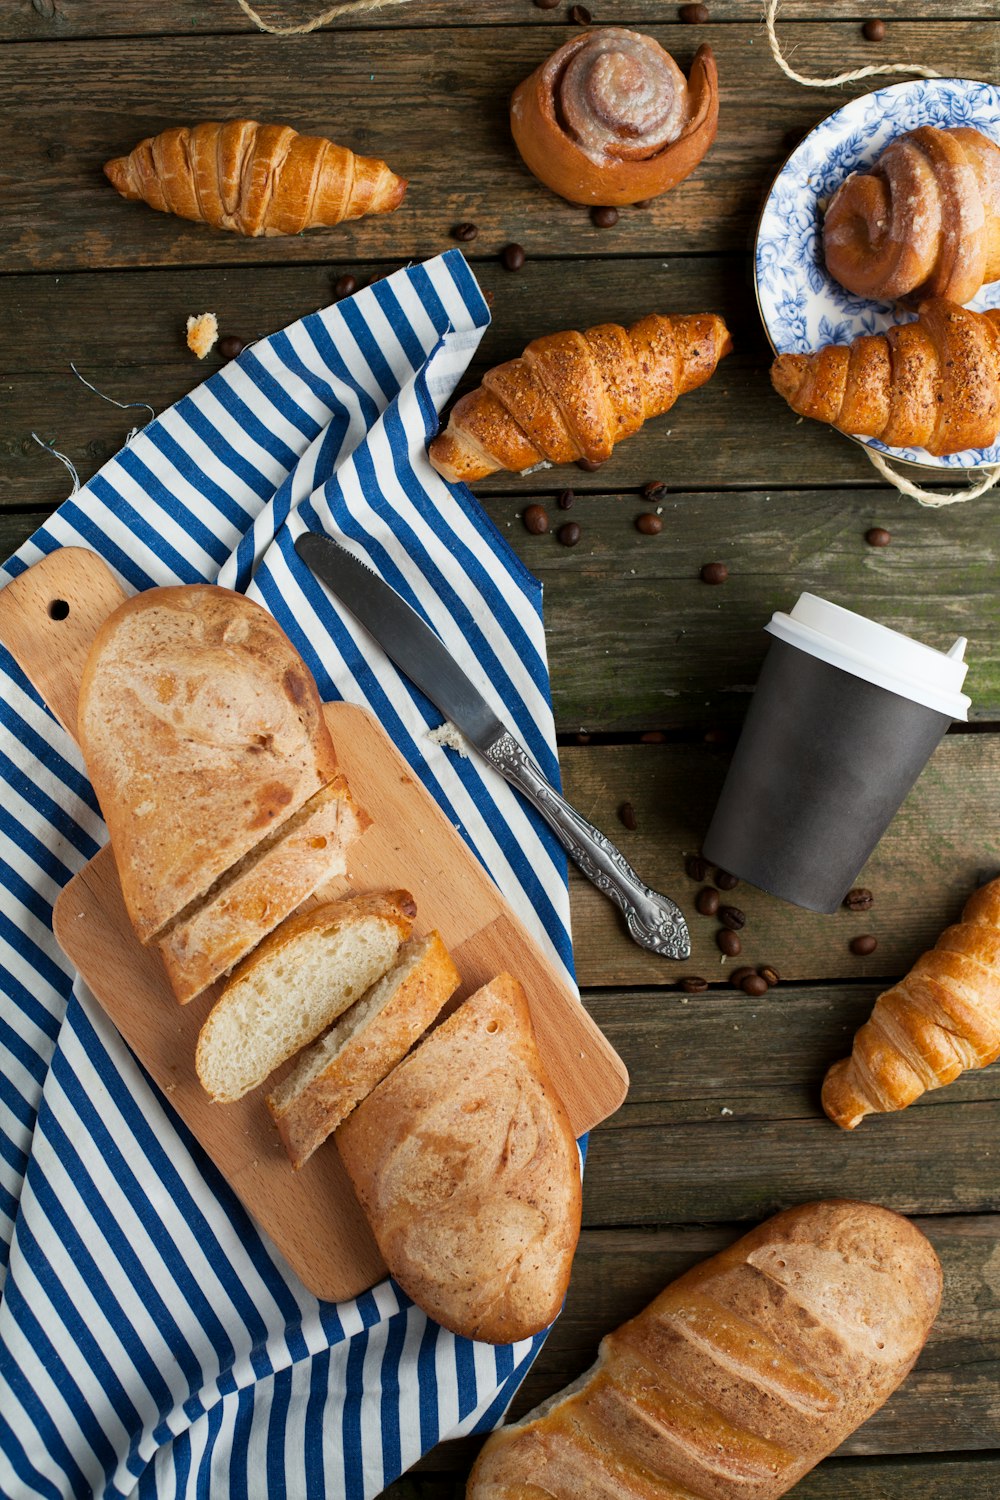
[
  {"x": 295, "y": 984},
  {"x": 363, "y": 1046},
  {"x": 741, "y": 1376},
  {"x": 202, "y": 732},
  {"x": 466, "y": 1166}
]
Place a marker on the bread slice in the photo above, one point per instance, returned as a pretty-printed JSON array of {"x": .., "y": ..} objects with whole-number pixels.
[
  {"x": 465, "y": 1164},
  {"x": 300, "y": 979},
  {"x": 261, "y": 890},
  {"x": 202, "y": 731},
  {"x": 365, "y": 1044}
]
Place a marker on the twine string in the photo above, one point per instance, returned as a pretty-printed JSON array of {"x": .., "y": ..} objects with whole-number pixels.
[
  {"x": 933, "y": 498},
  {"x": 66, "y": 462},
  {"x": 771, "y": 16},
  {"x": 322, "y": 19}
]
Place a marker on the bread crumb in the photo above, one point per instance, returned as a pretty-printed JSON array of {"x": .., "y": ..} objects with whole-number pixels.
[
  {"x": 202, "y": 333},
  {"x": 725, "y": 1111},
  {"x": 448, "y": 735}
]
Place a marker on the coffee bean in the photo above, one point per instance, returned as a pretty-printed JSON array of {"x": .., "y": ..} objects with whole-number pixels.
[
  {"x": 707, "y": 901},
  {"x": 648, "y": 523},
  {"x": 864, "y": 945},
  {"x": 874, "y": 31},
  {"x": 860, "y": 899},
  {"x": 717, "y": 736},
  {"x": 737, "y": 977},
  {"x": 714, "y": 573},
  {"x": 536, "y": 520},
  {"x": 654, "y": 490},
  {"x": 583, "y": 738},
  {"x": 513, "y": 257},
  {"x": 754, "y": 985},
  {"x": 696, "y": 868},
  {"x": 725, "y": 881},
  {"x": 588, "y": 465},
  {"x": 694, "y": 985},
  {"x": 580, "y": 15},
  {"x": 230, "y": 346},
  {"x": 642, "y": 203},
  {"x": 878, "y": 537},
  {"x": 465, "y": 231},
  {"x": 769, "y": 974},
  {"x": 565, "y": 500},
  {"x": 546, "y": 4},
  {"x": 656, "y": 737},
  {"x": 693, "y": 15},
  {"x": 728, "y": 943},
  {"x": 604, "y": 218},
  {"x": 345, "y": 286},
  {"x": 569, "y": 534},
  {"x": 732, "y": 917},
  {"x": 627, "y": 814}
]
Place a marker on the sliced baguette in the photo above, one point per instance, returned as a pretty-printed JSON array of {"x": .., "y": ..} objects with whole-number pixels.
[
  {"x": 301, "y": 978},
  {"x": 262, "y": 890},
  {"x": 465, "y": 1165},
  {"x": 363, "y": 1047},
  {"x": 202, "y": 731}
]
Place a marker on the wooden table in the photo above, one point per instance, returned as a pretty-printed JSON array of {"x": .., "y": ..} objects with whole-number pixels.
[{"x": 651, "y": 669}]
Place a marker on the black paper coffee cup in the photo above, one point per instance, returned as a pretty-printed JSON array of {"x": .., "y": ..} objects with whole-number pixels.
[{"x": 845, "y": 716}]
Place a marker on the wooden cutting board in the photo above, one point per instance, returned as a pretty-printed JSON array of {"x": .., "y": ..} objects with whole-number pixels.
[{"x": 48, "y": 618}]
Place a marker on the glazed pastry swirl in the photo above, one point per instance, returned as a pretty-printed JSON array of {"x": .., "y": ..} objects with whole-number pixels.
[
  {"x": 923, "y": 222},
  {"x": 620, "y": 95},
  {"x": 610, "y": 118}
]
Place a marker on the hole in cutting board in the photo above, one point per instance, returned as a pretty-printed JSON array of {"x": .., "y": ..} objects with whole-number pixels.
[{"x": 58, "y": 609}]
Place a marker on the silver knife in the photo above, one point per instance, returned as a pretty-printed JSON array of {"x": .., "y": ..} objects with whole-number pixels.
[{"x": 654, "y": 921}]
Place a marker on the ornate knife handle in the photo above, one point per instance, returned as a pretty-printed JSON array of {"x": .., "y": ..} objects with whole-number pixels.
[{"x": 654, "y": 921}]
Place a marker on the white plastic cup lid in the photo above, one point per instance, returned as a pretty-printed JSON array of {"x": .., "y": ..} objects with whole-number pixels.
[{"x": 877, "y": 654}]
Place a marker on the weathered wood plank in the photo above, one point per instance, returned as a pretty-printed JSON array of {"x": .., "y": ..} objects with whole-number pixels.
[
  {"x": 439, "y": 118},
  {"x": 64, "y": 20},
  {"x": 942, "y": 842},
  {"x": 126, "y": 334},
  {"x": 951, "y": 1401},
  {"x": 837, "y": 1479}
]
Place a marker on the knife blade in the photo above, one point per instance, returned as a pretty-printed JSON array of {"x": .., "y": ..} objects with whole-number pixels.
[{"x": 654, "y": 921}]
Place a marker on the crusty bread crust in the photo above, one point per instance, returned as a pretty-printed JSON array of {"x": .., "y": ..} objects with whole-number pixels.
[
  {"x": 742, "y": 1374},
  {"x": 202, "y": 731},
  {"x": 466, "y": 1166},
  {"x": 259, "y": 989},
  {"x": 264, "y": 888},
  {"x": 310, "y": 1104}
]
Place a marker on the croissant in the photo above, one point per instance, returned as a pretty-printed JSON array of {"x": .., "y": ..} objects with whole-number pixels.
[
  {"x": 923, "y": 222},
  {"x": 254, "y": 179},
  {"x": 573, "y": 396},
  {"x": 942, "y": 1018},
  {"x": 932, "y": 384},
  {"x": 609, "y": 118}
]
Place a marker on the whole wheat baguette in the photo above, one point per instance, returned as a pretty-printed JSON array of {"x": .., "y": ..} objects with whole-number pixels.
[
  {"x": 363, "y": 1047},
  {"x": 739, "y": 1377},
  {"x": 295, "y": 984},
  {"x": 261, "y": 890},
  {"x": 465, "y": 1164},
  {"x": 202, "y": 731}
]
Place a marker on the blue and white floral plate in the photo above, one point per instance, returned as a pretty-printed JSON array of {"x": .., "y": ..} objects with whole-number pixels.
[{"x": 801, "y": 304}]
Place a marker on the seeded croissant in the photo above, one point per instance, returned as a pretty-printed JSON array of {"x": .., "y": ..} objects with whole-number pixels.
[
  {"x": 923, "y": 222},
  {"x": 932, "y": 384},
  {"x": 573, "y": 396},
  {"x": 254, "y": 179},
  {"x": 943, "y": 1018}
]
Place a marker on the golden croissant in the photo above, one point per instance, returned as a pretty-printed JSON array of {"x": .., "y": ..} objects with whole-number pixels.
[
  {"x": 923, "y": 222},
  {"x": 573, "y": 396},
  {"x": 943, "y": 1018},
  {"x": 932, "y": 384},
  {"x": 254, "y": 179}
]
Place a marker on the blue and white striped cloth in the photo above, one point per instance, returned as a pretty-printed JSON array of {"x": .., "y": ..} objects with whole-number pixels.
[{"x": 152, "y": 1340}]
